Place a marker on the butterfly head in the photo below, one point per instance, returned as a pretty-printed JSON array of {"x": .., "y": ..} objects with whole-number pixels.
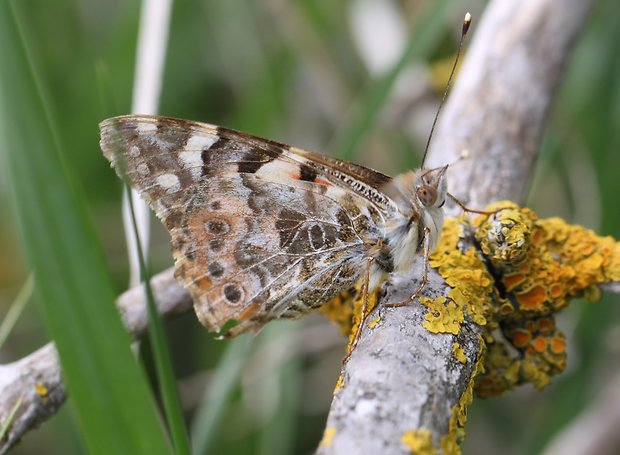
[{"x": 431, "y": 187}]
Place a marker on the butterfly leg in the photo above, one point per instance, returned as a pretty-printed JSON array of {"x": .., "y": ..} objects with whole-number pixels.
[
  {"x": 426, "y": 246},
  {"x": 364, "y": 315},
  {"x": 480, "y": 212}
]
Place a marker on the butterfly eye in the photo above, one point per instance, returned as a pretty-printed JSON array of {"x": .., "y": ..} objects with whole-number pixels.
[{"x": 427, "y": 195}]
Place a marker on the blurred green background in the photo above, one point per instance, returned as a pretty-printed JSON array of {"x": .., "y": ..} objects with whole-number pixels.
[{"x": 292, "y": 71}]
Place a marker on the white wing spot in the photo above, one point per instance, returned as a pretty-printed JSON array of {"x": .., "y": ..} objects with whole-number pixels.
[
  {"x": 192, "y": 160},
  {"x": 200, "y": 142},
  {"x": 146, "y": 127},
  {"x": 169, "y": 181},
  {"x": 280, "y": 170},
  {"x": 134, "y": 151},
  {"x": 143, "y": 169}
]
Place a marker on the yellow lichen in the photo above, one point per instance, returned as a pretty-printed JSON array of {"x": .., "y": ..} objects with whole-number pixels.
[
  {"x": 451, "y": 442},
  {"x": 41, "y": 390},
  {"x": 542, "y": 264},
  {"x": 340, "y": 310},
  {"x": 419, "y": 441},
  {"x": 339, "y": 384},
  {"x": 328, "y": 437},
  {"x": 346, "y": 311},
  {"x": 357, "y": 311},
  {"x": 562, "y": 261},
  {"x": 443, "y": 316},
  {"x": 464, "y": 271},
  {"x": 374, "y": 323},
  {"x": 458, "y": 352}
]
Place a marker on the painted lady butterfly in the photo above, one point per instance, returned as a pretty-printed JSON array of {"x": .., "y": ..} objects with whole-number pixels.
[{"x": 261, "y": 230}]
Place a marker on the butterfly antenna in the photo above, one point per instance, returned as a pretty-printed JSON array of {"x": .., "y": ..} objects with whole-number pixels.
[{"x": 466, "y": 24}]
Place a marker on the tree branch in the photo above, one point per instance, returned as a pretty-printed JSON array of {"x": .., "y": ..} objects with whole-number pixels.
[
  {"x": 595, "y": 430},
  {"x": 402, "y": 388},
  {"x": 35, "y": 381},
  {"x": 497, "y": 111}
]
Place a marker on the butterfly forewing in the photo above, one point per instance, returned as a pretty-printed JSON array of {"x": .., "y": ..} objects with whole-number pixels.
[{"x": 259, "y": 230}]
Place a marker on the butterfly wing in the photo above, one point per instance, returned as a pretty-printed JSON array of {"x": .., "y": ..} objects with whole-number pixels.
[{"x": 259, "y": 230}]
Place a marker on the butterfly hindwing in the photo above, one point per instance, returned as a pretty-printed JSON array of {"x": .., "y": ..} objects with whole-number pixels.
[{"x": 259, "y": 230}]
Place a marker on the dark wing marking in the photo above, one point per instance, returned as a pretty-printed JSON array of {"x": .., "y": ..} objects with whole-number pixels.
[{"x": 205, "y": 150}]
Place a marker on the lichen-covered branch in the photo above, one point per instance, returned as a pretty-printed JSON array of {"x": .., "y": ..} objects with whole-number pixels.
[
  {"x": 35, "y": 381},
  {"x": 536, "y": 267},
  {"x": 405, "y": 389}
]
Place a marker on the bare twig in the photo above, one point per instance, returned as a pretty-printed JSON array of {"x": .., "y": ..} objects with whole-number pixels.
[
  {"x": 401, "y": 377},
  {"x": 500, "y": 102},
  {"x": 614, "y": 287},
  {"x": 596, "y": 429},
  {"x": 37, "y": 379}
]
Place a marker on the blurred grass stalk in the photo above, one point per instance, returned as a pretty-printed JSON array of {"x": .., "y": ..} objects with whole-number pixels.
[
  {"x": 10, "y": 417},
  {"x": 108, "y": 388},
  {"x": 161, "y": 354},
  {"x": 218, "y": 394},
  {"x": 150, "y": 60},
  {"x": 16, "y": 309},
  {"x": 284, "y": 382}
]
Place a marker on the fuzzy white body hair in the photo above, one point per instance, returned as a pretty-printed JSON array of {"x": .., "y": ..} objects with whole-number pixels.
[
  {"x": 404, "y": 229},
  {"x": 433, "y": 219},
  {"x": 405, "y": 237}
]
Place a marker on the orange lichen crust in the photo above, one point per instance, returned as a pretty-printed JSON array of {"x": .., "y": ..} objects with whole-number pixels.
[
  {"x": 540, "y": 265},
  {"x": 519, "y": 272}
]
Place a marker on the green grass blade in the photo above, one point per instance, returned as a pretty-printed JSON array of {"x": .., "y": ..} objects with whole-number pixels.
[
  {"x": 218, "y": 394},
  {"x": 9, "y": 419},
  {"x": 161, "y": 354},
  {"x": 15, "y": 310},
  {"x": 107, "y": 387},
  {"x": 279, "y": 434},
  {"x": 422, "y": 39}
]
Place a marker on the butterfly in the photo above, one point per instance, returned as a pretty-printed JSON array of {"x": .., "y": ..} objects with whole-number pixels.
[{"x": 261, "y": 230}]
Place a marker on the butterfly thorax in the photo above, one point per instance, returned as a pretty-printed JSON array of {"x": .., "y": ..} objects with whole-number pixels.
[{"x": 418, "y": 198}]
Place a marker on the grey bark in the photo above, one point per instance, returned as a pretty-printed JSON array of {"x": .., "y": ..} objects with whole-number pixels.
[{"x": 402, "y": 377}]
